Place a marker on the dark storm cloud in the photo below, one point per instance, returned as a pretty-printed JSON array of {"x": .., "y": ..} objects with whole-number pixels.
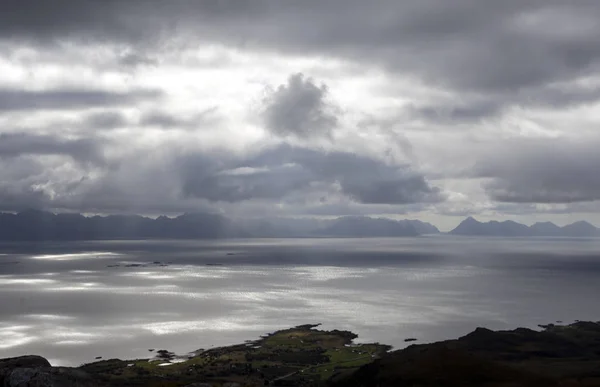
[
  {"x": 18, "y": 144},
  {"x": 26, "y": 181},
  {"x": 245, "y": 183},
  {"x": 544, "y": 171},
  {"x": 278, "y": 172},
  {"x": 164, "y": 181},
  {"x": 19, "y": 198},
  {"x": 67, "y": 99},
  {"x": 299, "y": 108},
  {"x": 461, "y": 44}
]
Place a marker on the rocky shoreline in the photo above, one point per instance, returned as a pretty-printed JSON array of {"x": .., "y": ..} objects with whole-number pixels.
[{"x": 559, "y": 355}]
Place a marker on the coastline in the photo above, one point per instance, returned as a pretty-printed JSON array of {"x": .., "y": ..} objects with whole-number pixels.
[{"x": 306, "y": 356}]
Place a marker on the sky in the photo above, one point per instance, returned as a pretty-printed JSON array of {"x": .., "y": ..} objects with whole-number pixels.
[{"x": 425, "y": 109}]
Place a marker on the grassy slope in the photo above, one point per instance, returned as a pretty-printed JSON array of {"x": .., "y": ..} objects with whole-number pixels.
[{"x": 302, "y": 355}]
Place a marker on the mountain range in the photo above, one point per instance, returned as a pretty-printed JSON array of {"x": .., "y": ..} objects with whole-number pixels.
[
  {"x": 508, "y": 228},
  {"x": 43, "y": 225}
]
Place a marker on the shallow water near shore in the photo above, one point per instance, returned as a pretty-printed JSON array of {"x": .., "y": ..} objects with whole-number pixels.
[{"x": 72, "y": 302}]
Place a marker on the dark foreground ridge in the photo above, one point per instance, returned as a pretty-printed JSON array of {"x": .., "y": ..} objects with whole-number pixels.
[{"x": 559, "y": 355}]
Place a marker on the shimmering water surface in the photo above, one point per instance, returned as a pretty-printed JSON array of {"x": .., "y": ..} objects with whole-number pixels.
[{"x": 71, "y": 302}]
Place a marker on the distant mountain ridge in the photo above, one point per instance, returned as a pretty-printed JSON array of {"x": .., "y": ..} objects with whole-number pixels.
[
  {"x": 41, "y": 225},
  {"x": 38, "y": 225},
  {"x": 509, "y": 228}
]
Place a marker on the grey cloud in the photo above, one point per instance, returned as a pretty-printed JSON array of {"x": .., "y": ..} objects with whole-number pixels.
[
  {"x": 473, "y": 110},
  {"x": 231, "y": 180},
  {"x": 560, "y": 97},
  {"x": 231, "y": 186},
  {"x": 403, "y": 189},
  {"x": 14, "y": 199},
  {"x": 299, "y": 108},
  {"x": 359, "y": 209},
  {"x": 368, "y": 180},
  {"x": 485, "y": 57},
  {"x": 554, "y": 208},
  {"x": 115, "y": 119},
  {"x": 138, "y": 182},
  {"x": 69, "y": 99},
  {"x": 161, "y": 119},
  {"x": 525, "y": 209},
  {"x": 17, "y": 144},
  {"x": 164, "y": 181},
  {"x": 105, "y": 120},
  {"x": 468, "y": 108},
  {"x": 166, "y": 120},
  {"x": 280, "y": 171},
  {"x": 317, "y": 208},
  {"x": 461, "y": 44},
  {"x": 544, "y": 171},
  {"x": 132, "y": 21},
  {"x": 26, "y": 181},
  {"x": 134, "y": 59}
]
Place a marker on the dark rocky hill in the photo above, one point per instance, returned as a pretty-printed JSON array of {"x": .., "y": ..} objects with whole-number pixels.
[{"x": 557, "y": 356}]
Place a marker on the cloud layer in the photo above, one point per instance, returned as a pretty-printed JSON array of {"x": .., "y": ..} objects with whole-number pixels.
[
  {"x": 463, "y": 43},
  {"x": 545, "y": 171},
  {"x": 435, "y": 108}
]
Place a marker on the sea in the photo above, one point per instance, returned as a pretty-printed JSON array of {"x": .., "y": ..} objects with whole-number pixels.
[{"x": 72, "y": 302}]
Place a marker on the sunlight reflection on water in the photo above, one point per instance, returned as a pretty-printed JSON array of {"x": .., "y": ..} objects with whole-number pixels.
[
  {"x": 68, "y": 257},
  {"x": 72, "y": 308}
]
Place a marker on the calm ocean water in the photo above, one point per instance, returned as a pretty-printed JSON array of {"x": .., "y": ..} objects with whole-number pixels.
[{"x": 71, "y": 302}]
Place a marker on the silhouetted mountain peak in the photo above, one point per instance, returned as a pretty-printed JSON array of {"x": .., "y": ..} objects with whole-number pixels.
[
  {"x": 581, "y": 223},
  {"x": 422, "y": 227},
  {"x": 470, "y": 226},
  {"x": 545, "y": 224},
  {"x": 580, "y": 229},
  {"x": 545, "y": 229}
]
